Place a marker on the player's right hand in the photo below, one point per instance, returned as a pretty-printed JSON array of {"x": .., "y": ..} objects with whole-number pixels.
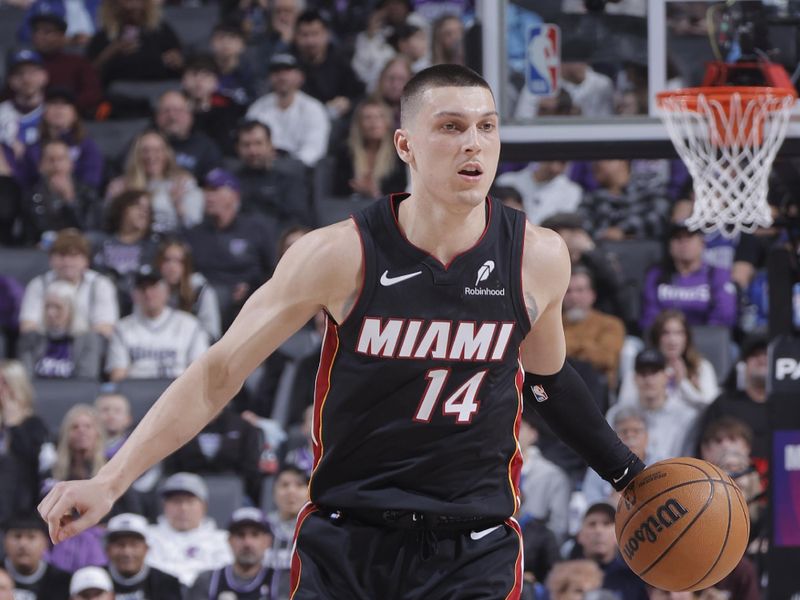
[{"x": 73, "y": 506}]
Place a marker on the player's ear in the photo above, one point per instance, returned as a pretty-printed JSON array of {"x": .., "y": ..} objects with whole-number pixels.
[{"x": 403, "y": 146}]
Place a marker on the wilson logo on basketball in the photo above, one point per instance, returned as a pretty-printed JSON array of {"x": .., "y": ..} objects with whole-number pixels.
[{"x": 665, "y": 517}]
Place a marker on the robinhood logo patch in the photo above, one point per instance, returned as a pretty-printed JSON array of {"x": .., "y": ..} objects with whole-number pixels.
[{"x": 483, "y": 274}]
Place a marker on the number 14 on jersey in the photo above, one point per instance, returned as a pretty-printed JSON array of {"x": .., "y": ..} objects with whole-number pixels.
[{"x": 462, "y": 403}]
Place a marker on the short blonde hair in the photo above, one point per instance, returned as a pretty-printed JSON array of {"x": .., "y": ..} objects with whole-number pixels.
[{"x": 68, "y": 293}]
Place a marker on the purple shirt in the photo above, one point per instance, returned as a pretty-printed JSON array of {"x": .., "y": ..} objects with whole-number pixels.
[
  {"x": 11, "y": 292},
  {"x": 706, "y": 297}
]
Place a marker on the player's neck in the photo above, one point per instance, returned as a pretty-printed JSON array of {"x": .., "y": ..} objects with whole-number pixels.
[{"x": 442, "y": 231}]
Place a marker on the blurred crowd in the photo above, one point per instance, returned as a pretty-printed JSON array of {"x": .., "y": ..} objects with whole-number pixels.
[{"x": 230, "y": 147}]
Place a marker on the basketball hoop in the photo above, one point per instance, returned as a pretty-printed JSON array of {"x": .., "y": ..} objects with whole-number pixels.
[{"x": 728, "y": 137}]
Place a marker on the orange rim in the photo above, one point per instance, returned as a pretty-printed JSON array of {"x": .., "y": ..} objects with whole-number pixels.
[{"x": 721, "y": 94}]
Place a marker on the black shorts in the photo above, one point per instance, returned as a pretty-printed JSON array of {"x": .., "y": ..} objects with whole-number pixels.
[{"x": 347, "y": 559}]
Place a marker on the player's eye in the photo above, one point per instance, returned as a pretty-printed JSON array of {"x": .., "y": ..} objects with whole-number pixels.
[
  {"x": 449, "y": 127},
  {"x": 488, "y": 127}
]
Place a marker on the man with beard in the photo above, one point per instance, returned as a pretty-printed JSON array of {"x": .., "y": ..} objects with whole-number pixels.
[
  {"x": 247, "y": 578},
  {"x": 126, "y": 547}
]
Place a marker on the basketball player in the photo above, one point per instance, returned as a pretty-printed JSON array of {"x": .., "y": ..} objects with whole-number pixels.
[{"x": 435, "y": 303}]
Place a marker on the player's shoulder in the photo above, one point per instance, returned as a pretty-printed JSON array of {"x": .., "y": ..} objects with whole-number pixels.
[
  {"x": 545, "y": 260},
  {"x": 341, "y": 236},
  {"x": 543, "y": 245}
]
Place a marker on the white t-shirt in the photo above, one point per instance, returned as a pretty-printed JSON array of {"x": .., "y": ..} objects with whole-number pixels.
[
  {"x": 594, "y": 96},
  {"x": 302, "y": 129},
  {"x": 95, "y": 303},
  {"x": 543, "y": 199},
  {"x": 156, "y": 348}
]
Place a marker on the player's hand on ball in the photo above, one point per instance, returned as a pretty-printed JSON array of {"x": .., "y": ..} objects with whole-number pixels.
[{"x": 73, "y": 506}]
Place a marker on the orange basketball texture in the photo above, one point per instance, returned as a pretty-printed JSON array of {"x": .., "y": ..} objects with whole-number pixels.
[{"x": 682, "y": 524}]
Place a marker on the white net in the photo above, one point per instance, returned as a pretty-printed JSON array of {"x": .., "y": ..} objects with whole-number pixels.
[{"x": 728, "y": 142}]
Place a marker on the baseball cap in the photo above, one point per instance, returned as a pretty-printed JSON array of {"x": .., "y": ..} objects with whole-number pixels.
[
  {"x": 90, "y": 578},
  {"x": 219, "y": 178},
  {"x": 26, "y": 521},
  {"x": 146, "y": 275},
  {"x": 249, "y": 516},
  {"x": 603, "y": 508},
  {"x": 51, "y": 18},
  {"x": 282, "y": 61},
  {"x": 127, "y": 524},
  {"x": 753, "y": 344},
  {"x": 650, "y": 358},
  {"x": 25, "y": 57},
  {"x": 185, "y": 482}
]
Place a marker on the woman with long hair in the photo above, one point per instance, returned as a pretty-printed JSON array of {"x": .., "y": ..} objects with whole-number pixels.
[
  {"x": 189, "y": 290},
  {"x": 127, "y": 243},
  {"x": 394, "y": 76},
  {"x": 23, "y": 436},
  {"x": 134, "y": 43},
  {"x": 80, "y": 452},
  {"x": 66, "y": 349},
  {"x": 692, "y": 378},
  {"x": 368, "y": 165},
  {"x": 62, "y": 121},
  {"x": 176, "y": 199},
  {"x": 447, "y": 40}
]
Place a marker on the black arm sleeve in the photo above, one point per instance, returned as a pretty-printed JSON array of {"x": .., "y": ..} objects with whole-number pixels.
[{"x": 567, "y": 406}]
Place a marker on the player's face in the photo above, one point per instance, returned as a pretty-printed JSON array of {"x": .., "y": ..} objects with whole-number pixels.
[
  {"x": 248, "y": 544},
  {"x": 453, "y": 145},
  {"x": 672, "y": 342},
  {"x": 25, "y": 548},
  {"x": 126, "y": 553}
]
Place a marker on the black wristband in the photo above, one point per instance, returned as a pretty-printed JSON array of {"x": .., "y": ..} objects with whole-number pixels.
[{"x": 568, "y": 408}]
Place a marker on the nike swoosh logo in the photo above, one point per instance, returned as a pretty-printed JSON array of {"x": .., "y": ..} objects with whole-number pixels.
[
  {"x": 477, "y": 535},
  {"x": 386, "y": 281},
  {"x": 621, "y": 477}
]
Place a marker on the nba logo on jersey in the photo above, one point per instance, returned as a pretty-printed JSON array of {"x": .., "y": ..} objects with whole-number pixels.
[
  {"x": 543, "y": 60},
  {"x": 539, "y": 393}
]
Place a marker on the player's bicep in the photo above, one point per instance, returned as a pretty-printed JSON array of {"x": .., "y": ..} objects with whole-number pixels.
[{"x": 543, "y": 350}]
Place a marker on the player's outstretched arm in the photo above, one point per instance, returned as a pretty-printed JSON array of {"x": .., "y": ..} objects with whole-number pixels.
[
  {"x": 561, "y": 397},
  {"x": 321, "y": 270}
]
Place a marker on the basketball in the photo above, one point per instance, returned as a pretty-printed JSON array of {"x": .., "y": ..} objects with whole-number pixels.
[{"x": 682, "y": 525}]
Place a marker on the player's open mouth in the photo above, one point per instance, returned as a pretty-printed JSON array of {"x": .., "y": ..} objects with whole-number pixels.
[{"x": 471, "y": 172}]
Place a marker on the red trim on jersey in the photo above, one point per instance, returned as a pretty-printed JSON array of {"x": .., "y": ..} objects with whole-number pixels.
[
  {"x": 296, "y": 565},
  {"x": 363, "y": 272},
  {"x": 330, "y": 346},
  {"x": 515, "y": 464},
  {"x": 487, "y": 202},
  {"x": 516, "y": 590}
]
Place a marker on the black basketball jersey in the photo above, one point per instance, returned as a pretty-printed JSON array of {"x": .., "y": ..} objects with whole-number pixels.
[{"x": 418, "y": 395}]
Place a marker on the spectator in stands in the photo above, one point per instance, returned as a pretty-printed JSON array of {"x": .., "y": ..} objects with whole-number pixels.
[
  {"x": 571, "y": 579},
  {"x": 704, "y": 294},
  {"x": 59, "y": 200},
  {"x": 545, "y": 189},
  {"x": 26, "y": 446},
  {"x": 368, "y": 166},
  {"x": 234, "y": 252},
  {"x": 508, "y": 196},
  {"x": 114, "y": 412},
  {"x": 11, "y": 207},
  {"x": 624, "y": 207},
  {"x": 372, "y": 49},
  {"x": 692, "y": 378},
  {"x": 190, "y": 291},
  {"x": 237, "y": 80},
  {"x": 749, "y": 273},
  {"x": 21, "y": 113},
  {"x": 11, "y": 292},
  {"x": 91, "y": 583},
  {"x": 300, "y": 443},
  {"x": 79, "y": 19},
  {"x": 393, "y": 78},
  {"x": 591, "y": 335},
  {"x": 66, "y": 349},
  {"x": 25, "y": 542},
  {"x": 127, "y": 244},
  {"x": 228, "y": 444},
  {"x": 272, "y": 185},
  {"x": 249, "y": 537},
  {"x": 156, "y": 341},
  {"x": 328, "y": 76},
  {"x": 194, "y": 150},
  {"x": 6, "y": 585},
  {"x": 214, "y": 114},
  {"x": 151, "y": 165},
  {"x": 607, "y": 276},
  {"x": 126, "y": 547},
  {"x": 299, "y": 123},
  {"x": 185, "y": 542},
  {"x": 96, "y": 301},
  {"x": 669, "y": 422},
  {"x": 81, "y": 445},
  {"x": 251, "y": 17},
  {"x": 290, "y": 493},
  {"x": 447, "y": 40},
  {"x": 545, "y": 487},
  {"x": 282, "y": 27},
  {"x": 133, "y": 43},
  {"x": 748, "y": 404},
  {"x": 411, "y": 42},
  {"x": 66, "y": 70},
  {"x": 598, "y": 542},
  {"x": 630, "y": 424},
  {"x": 61, "y": 122}
]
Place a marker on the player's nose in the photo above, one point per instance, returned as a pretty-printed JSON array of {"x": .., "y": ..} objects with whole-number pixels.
[{"x": 472, "y": 140}]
